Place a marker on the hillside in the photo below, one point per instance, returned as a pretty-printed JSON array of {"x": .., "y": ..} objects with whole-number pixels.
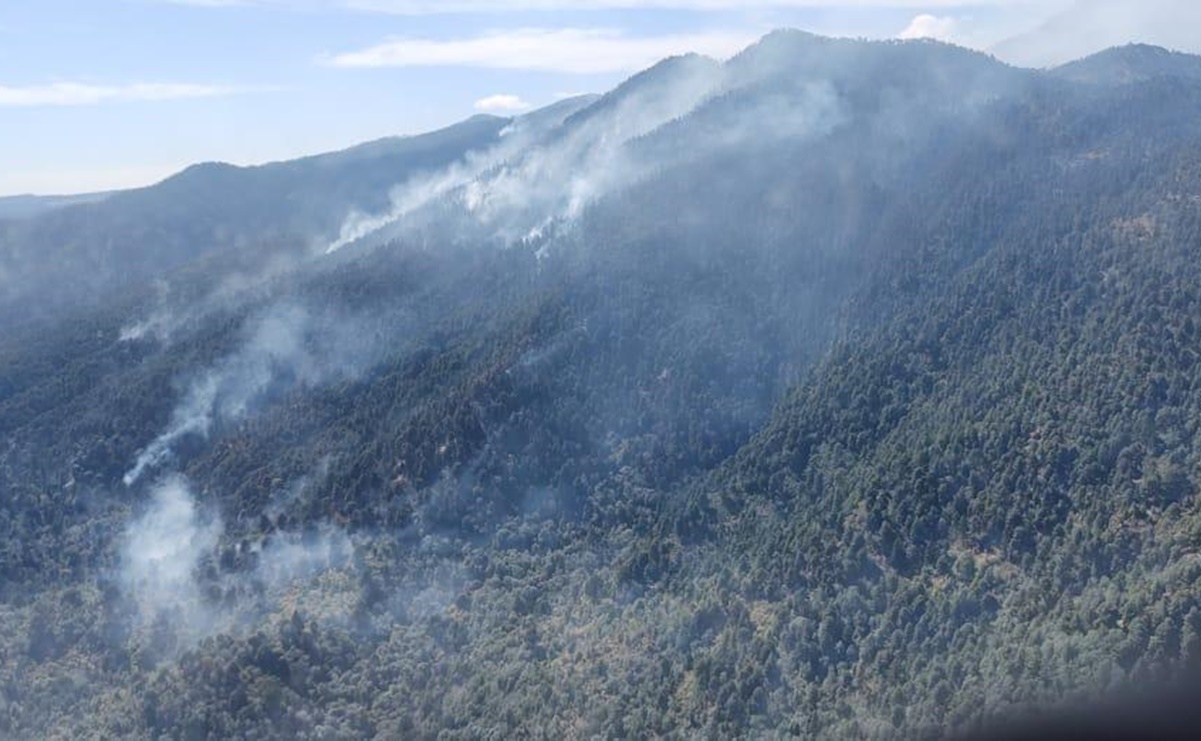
[
  {"x": 71, "y": 257},
  {"x": 842, "y": 389},
  {"x": 1130, "y": 64}
]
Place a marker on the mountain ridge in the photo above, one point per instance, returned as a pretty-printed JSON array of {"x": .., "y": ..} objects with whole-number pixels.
[{"x": 1130, "y": 64}]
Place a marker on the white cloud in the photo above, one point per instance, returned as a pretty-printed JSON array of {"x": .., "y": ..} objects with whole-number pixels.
[
  {"x": 926, "y": 26},
  {"x": 77, "y": 94},
  {"x": 577, "y": 50},
  {"x": 501, "y": 102}
]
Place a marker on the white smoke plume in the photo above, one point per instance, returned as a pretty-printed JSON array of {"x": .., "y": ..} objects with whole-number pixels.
[
  {"x": 287, "y": 347},
  {"x": 544, "y": 174},
  {"x": 539, "y": 171},
  {"x": 416, "y": 192},
  {"x": 158, "y": 325},
  {"x": 193, "y": 417},
  {"x": 173, "y": 313},
  {"x": 424, "y": 188},
  {"x": 291, "y": 556},
  {"x": 161, "y": 551},
  {"x": 164, "y": 550}
]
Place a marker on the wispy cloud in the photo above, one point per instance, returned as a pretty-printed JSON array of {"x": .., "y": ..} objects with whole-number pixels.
[
  {"x": 435, "y": 7},
  {"x": 429, "y": 7},
  {"x": 80, "y": 94},
  {"x": 579, "y": 50},
  {"x": 501, "y": 102}
]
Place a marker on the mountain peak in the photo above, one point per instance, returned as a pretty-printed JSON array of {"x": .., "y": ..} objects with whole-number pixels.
[
  {"x": 781, "y": 47},
  {"x": 685, "y": 76},
  {"x": 674, "y": 65},
  {"x": 788, "y": 57}
]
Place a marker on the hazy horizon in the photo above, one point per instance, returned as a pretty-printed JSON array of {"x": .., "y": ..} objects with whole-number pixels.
[{"x": 118, "y": 94}]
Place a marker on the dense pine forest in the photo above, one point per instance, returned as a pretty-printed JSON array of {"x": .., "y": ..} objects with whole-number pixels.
[{"x": 842, "y": 389}]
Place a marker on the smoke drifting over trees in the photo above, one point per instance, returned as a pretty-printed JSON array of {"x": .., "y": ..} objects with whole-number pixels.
[{"x": 840, "y": 389}]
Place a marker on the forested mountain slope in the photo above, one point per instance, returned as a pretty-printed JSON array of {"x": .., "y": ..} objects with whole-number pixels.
[
  {"x": 70, "y": 256},
  {"x": 841, "y": 389},
  {"x": 1130, "y": 64}
]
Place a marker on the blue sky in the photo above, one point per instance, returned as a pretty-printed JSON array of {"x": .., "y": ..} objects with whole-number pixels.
[{"x": 99, "y": 94}]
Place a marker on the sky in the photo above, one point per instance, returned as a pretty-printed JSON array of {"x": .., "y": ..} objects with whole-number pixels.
[{"x": 107, "y": 94}]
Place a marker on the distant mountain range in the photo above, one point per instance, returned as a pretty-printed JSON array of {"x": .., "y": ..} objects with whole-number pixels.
[
  {"x": 841, "y": 389},
  {"x": 24, "y": 206}
]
